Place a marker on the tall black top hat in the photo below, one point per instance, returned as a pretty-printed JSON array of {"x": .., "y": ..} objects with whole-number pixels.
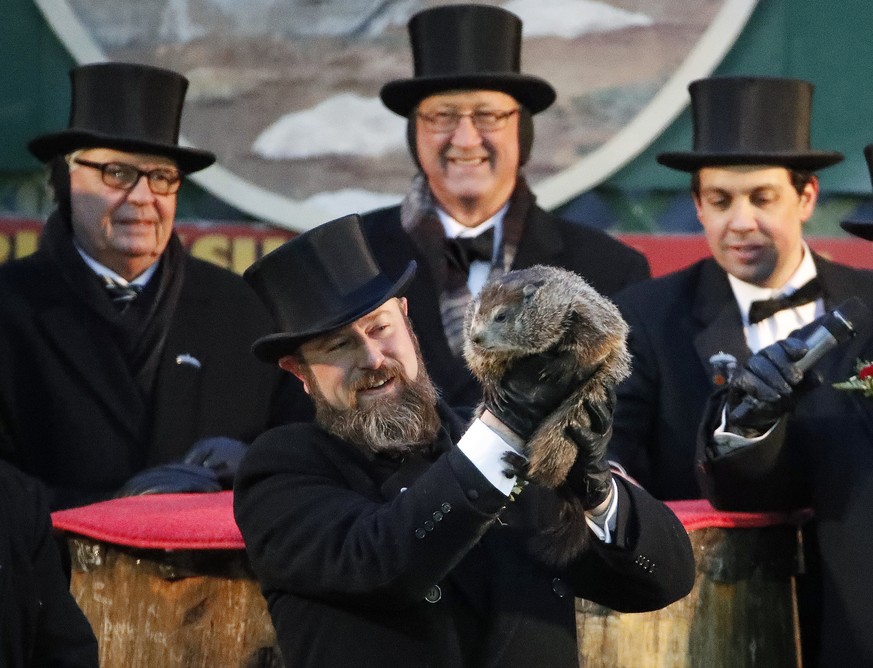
[
  {"x": 466, "y": 47},
  {"x": 862, "y": 228},
  {"x": 318, "y": 281},
  {"x": 750, "y": 121},
  {"x": 127, "y": 107}
]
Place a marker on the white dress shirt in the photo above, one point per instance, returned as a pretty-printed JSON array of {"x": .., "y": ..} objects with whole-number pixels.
[
  {"x": 103, "y": 270},
  {"x": 781, "y": 324}
]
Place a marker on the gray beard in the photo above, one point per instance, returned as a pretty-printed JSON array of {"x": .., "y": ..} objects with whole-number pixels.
[{"x": 396, "y": 425}]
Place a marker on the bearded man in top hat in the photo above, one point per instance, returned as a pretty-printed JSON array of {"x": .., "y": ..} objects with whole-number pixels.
[
  {"x": 781, "y": 436},
  {"x": 119, "y": 351},
  {"x": 470, "y": 214},
  {"x": 389, "y": 534}
]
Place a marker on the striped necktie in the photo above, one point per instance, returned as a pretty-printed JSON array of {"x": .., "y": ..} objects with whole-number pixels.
[{"x": 121, "y": 295}]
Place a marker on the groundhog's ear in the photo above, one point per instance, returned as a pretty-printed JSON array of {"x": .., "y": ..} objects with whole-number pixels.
[{"x": 530, "y": 289}]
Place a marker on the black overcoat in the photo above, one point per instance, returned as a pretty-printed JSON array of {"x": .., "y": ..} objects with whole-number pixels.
[
  {"x": 78, "y": 419},
  {"x": 606, "y": 263},
  {"x": 348, "y": 558},
  {"x": 40, "y": 623},
  {"x": 677, "y": 322}
]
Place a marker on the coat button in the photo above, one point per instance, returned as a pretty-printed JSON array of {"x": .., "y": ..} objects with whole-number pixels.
[
  {"x": 561, "y": 589},
  {"x": 428, "y": 525},
  {"x": 473, "y": 494},
  {"x": 438, "y": 516},
  {"x": 434, "y": 594},
  {"x": 419, "y": 533},
  {"x": 446, "y": 507}
]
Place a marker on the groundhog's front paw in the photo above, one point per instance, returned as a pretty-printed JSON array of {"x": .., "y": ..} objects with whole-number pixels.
[{"x": 515, "y": 466}]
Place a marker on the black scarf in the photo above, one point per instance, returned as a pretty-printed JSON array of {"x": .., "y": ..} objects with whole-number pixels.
[{"x": 140, "y": 330}]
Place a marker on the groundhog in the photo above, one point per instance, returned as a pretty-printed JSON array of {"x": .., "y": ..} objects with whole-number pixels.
[{"x": 531, "y": 311}]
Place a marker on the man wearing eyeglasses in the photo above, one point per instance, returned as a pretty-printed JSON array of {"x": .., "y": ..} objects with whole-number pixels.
[
  {"x": 470, "y": 214},
  {"x": 126, "y": 361}
]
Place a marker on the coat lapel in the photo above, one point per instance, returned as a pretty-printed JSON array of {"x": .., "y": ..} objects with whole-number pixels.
[
  {"x": 541, "y": 241},
  {"x": 178, "y": 392},
  {"x": 840, "y": 366},
  {"x": 718, "y": 317}
]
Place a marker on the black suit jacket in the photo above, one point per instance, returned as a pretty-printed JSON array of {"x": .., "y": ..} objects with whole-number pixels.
[
  {"x": 820, "y": 456},
  {"x": 677, "y": 322},
  {"x": 77, "y": 418},
  {"x": 606, "y": 263},
  {"x": 346, "y": 554},
  {"x": 40, "y": 623}
]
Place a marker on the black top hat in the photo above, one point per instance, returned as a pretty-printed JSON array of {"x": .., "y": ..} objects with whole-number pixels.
[
  {"x": 750, "y": 121},
  {"x": 862, "y": 228},
  {"x": 318, "y": 281},
  {"x": 466, "y": 47},
  {"x": 127, "y": 107}
]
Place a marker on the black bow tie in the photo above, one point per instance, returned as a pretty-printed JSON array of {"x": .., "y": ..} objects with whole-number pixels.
[
  {"x": 121, "y": 295},
  {"x": 763, "y": 309},
  {"x": 463, "y": 251}
]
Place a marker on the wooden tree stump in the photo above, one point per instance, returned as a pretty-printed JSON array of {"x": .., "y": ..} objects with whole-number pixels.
[
  {"x": 203, "y": 609},
  {"x": 741, "y": 612},
  {"x": 181, "y": 609}
]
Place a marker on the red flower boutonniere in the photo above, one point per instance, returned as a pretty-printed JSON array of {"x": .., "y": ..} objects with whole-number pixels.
[{"x": 862, "y": 380}]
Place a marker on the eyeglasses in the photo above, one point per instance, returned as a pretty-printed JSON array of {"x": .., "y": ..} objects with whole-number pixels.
[
  {"x": 162, "y": 181},
  {"x": 484, "y": 121}
]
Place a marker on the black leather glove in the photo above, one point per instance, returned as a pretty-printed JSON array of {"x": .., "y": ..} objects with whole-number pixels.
[
  {"x": 533, "y": 387},
  {"x": 221, "y": 454},
  {"x": 767, "y": 387},
  {"x": 209, "y": 466},
  {"x": 175, "y": 478},
  {"x": 590, "y": 477}
]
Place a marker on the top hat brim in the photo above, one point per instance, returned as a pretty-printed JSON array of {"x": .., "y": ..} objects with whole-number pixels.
[
  {"x": 402, "y": 95},
  {"x": 273, "y": 347},
  {"x": 860, "y": 228},
  {"x": 691, "y": 161},
  {"x": 48, "y": 146}
]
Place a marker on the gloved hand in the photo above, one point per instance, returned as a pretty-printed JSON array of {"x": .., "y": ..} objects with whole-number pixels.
[
  {"x": 533, "y": 387},
  {"x": 221, "y": 454},
  {"x": 767, "y": 387},
  {"x": 175, "y": 478},
  {"x": 590, "y": 477},
  {"x": 208, "y": 466}
]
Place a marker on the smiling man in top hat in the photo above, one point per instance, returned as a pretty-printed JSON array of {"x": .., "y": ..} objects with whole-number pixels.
[
  {"x": 387, "y": 533},
  {"x": 119, "y": 351},
  {"x": 470, "y": 214},
  {"x": 754, "y": 187}
]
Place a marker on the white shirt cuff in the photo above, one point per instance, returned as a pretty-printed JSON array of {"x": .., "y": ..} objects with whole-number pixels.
[
  {"x": 727, "y": 441},
  {"x": 603, "y": 525},
  {"x": 485, "y": 449}
]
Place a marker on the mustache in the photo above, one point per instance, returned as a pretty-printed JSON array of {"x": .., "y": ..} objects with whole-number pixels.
[
  {"x": 368, "y": 379},
  {"x": 372, "y": 378}
]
